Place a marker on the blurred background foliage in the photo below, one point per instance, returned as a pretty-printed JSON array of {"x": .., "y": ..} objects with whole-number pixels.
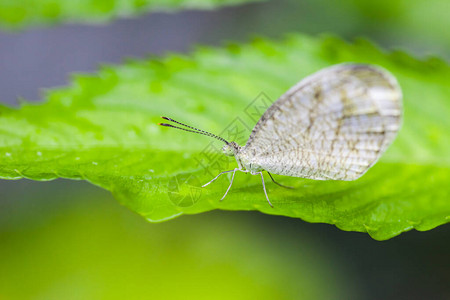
[
  {"x": 70, "y": 240},
  {"x": 414, "y": 25},
  {"x": 19, "y": 14},
  {"x": 421, "y": 26},
  {"x": 91, "y": 248}
]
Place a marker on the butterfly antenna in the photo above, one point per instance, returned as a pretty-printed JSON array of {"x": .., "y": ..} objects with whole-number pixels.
[{"x": 195, "y": 130}]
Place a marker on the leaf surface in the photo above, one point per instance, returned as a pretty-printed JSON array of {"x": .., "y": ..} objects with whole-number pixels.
[{"x": 103, "y": 129}]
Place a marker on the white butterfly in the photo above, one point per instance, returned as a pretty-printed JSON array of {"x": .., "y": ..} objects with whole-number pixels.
[{"x": 332, "y": 125}]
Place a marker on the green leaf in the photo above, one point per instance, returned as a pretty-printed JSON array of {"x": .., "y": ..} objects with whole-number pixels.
[
  {"x": 14, "y": 14},
  {"x": 103, "y": 129}
]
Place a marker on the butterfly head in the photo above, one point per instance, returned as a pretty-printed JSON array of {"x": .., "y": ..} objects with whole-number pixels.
[{"x": 231, "y": 149}]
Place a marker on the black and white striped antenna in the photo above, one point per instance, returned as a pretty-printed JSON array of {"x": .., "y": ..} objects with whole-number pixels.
[{"x": 194, "y": 130}]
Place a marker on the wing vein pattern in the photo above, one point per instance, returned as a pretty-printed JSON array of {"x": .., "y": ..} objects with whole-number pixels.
[{"x": 334, "y": 124}]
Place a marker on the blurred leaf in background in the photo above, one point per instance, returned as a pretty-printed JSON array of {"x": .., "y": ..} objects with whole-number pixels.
[
  {"x": 414, "y": 25},
  {"x": 155, "y": 172},
  {"x": 16, "y": 14},
  {"x": 408, "y": 23}
]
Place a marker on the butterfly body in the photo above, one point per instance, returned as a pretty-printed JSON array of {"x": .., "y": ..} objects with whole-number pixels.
[{"x": 244, "y": 162}]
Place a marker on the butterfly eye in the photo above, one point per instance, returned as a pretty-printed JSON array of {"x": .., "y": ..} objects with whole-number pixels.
[{"x": 228, "y": 150}]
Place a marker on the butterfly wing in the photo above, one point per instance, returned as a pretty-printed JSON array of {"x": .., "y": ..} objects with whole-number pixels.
[{"x": 334, "y": 124}]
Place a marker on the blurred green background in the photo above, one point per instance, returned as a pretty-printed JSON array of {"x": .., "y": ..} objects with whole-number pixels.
[
  {"x": 91, "y": 248},
  {"x": 70, "y": 240}
]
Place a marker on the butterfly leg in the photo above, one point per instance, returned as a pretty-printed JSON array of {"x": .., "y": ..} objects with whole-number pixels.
[
  {"x": 218, "y": 176},
  {"x": 231, "y": 183},
  {"x": 264, "y": 187},
  {"x": 282, "y": 185}
]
